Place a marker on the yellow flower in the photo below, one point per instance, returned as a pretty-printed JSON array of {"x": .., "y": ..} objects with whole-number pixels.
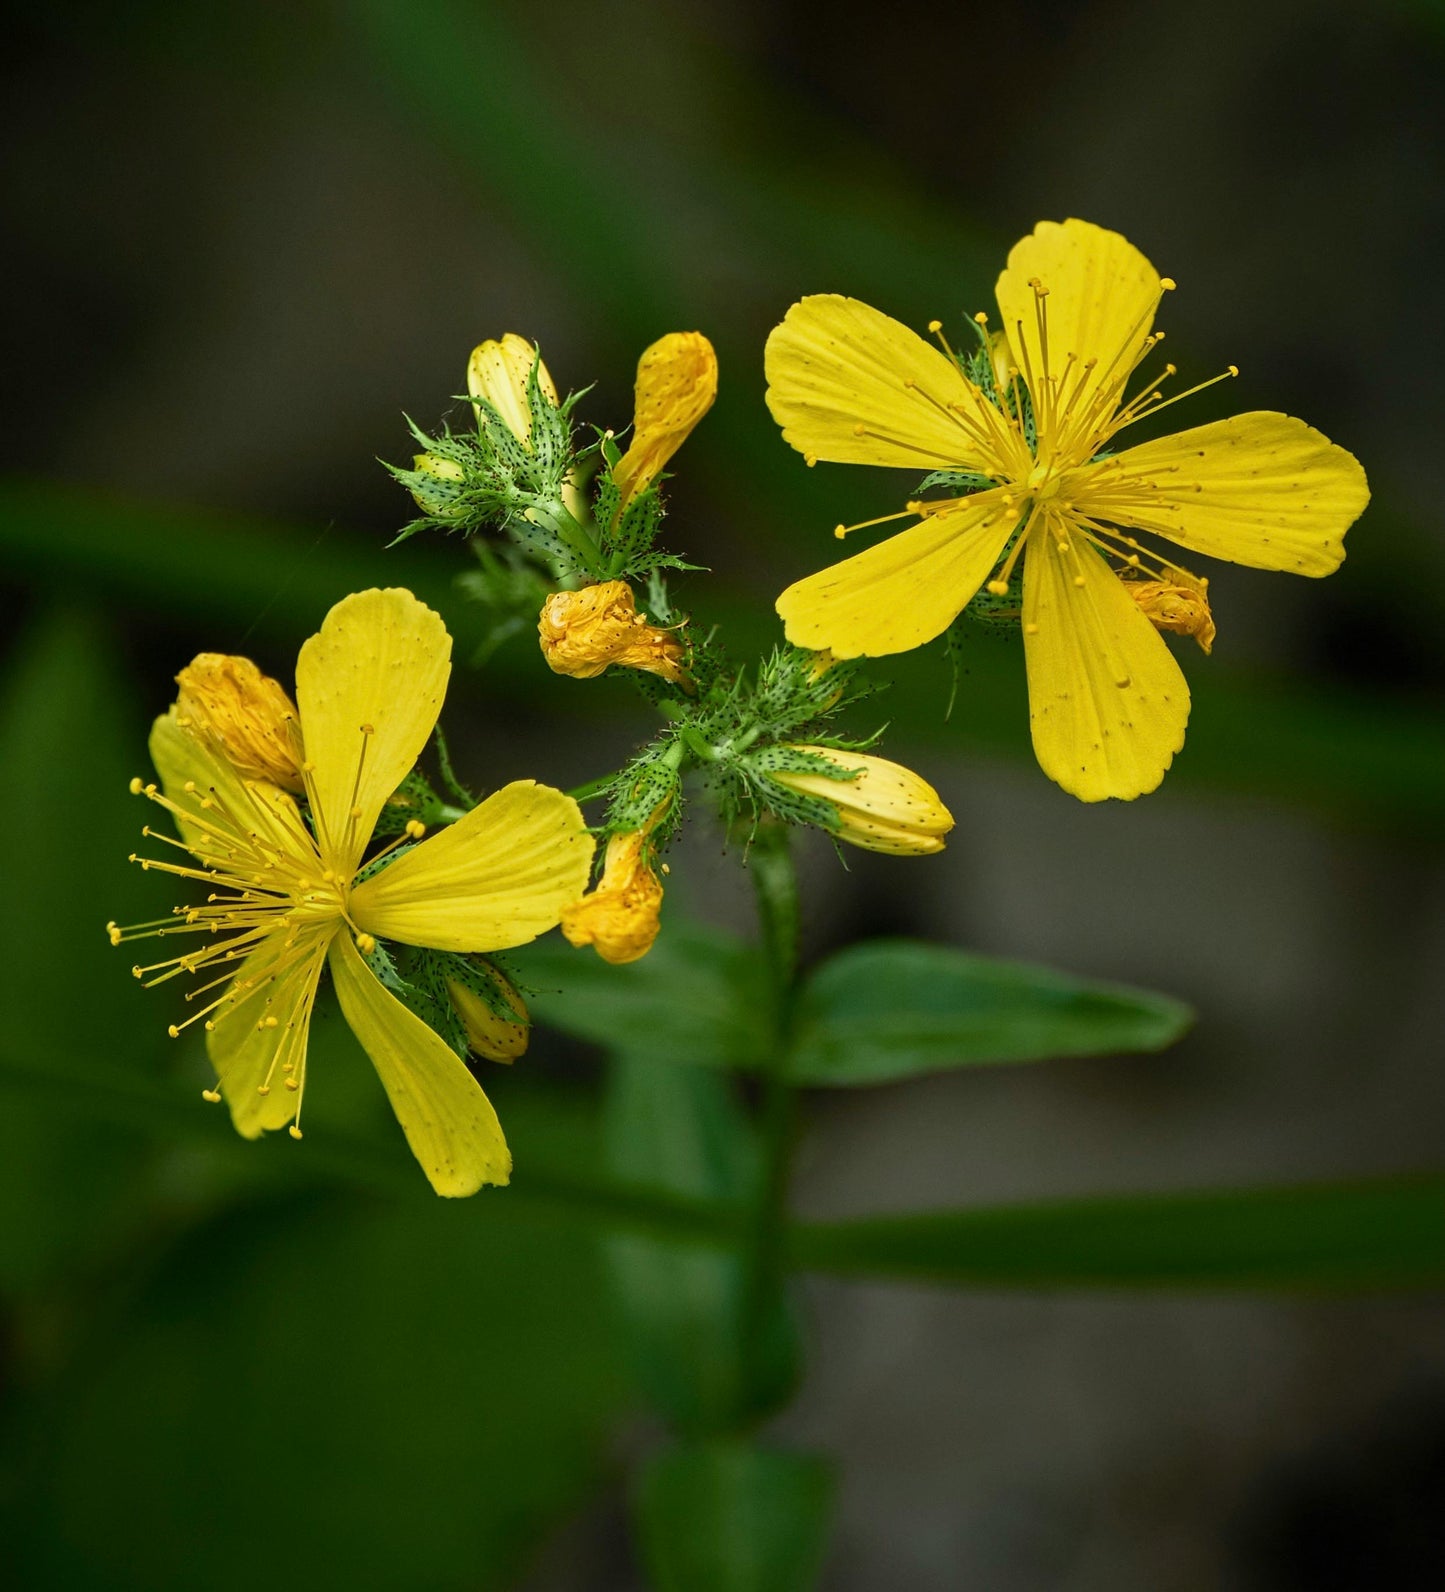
[
  {"x": 499, "y": 372},
  {"x": 491, "y": 1035},
  {"x": 583, "y": 632},
  {"x": 676, "y": 385},
  {"x": 244, "y": 714},
  {"x": 621, "y": 917},
  {"x": 1108, "y": 703},
  {"x": 284, "y": 897},
  {"x": 885, "y": 808}
]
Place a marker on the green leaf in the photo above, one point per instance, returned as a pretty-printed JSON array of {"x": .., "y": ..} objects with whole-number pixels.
[
  {"x": 892, "y": 1009},
  {"x": 712, "y": 1344},
  {"x": 1346, "y": 1236},
  {"x": 731, "y": 1517},
  {"x": 698, "y": 997}
]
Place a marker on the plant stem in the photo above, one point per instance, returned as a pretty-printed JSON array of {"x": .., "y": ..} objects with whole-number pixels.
[{"x": 775, "y": 883}]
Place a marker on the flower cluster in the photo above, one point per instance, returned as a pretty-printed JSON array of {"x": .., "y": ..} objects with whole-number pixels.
[{"x": 322, "y": 846}]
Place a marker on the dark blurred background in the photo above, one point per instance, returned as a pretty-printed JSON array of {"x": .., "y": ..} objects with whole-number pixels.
[{"x": 240, "y": 242}]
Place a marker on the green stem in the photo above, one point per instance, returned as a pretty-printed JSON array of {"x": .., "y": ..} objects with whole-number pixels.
[
  {"x": 775, "y": 883},
  {"x": 558, "y": 519}
]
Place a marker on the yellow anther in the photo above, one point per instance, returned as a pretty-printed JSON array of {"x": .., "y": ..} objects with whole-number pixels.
[
  {"x": 292, "y": 1085},
  {"x": 1234, "y": 370},
  {"x": 1080, "y": 582},
  {"x": 213, "y": 1095},
  {"x": 365, "y": 944},
  {"x": 294, "y": 1131},
  {"x": 981, "y": 319},
  {"x": 1167, "y": 284},
  {"x": 415, "y": 829},
  {"x": 270, "y": 1022},
  {"x": 840, "y": 531},
  {"x": 935, "y": 326},
  {"x": 137, "y": 785},
  {"x": 1031, "y": 630},
  {"x": 263, "y": 1088},
  {"x": 999, "y": 588},
  {"x": 173, "y": 1031},
  {"x": 368, "y": 729}
]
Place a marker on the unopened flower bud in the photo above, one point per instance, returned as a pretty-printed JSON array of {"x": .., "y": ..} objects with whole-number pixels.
[
  {"x": 245, "y": 714},
  {"x": 500, "y": 371},
  {"x": 820, "y": 666},
  {"x": 491, "y": 1034},
  {"x": 437, "y": 483},
  {"x": 621, "y": 917},
  {"x": 676, "y": 385},
  {"x": 1180, "y": 604},
  {"x": 885, "y": 808},
  {"x": 584, "y": 632}
]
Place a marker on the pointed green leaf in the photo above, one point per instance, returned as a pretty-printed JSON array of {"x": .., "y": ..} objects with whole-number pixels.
[
  {"x": 1347, "y": 1236},
  {"x": 893, "y": 1009}
]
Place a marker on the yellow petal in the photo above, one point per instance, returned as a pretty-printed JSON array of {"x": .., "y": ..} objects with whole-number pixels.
[
  {"x": 1107, "y": 702},
  {"x": 499, "y": 372},
  {"x": 676, "y": 386},
  {"x": 1262, "y": 489},
  {"x": 448, "y": 1121},
  {"x": 852, "y": 385},
  {"x": 370, "y": 686},
  {"x": 498, "y": 877},
  {"x": 248, "y": 1051},
  {"x": 1100, "y": 305},
  {"x": 182, "y": 759},
  {"x": 903, "y": 592}
]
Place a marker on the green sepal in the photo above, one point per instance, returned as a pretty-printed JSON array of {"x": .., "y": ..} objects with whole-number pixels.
[
  {"x": 961, "y": 483},
  {"x": 413, "y": 799},
  {"x": 414, "y": 989}
]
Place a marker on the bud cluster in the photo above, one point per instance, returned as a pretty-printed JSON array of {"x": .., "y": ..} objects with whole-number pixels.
[{"x": 591, "y": 580}]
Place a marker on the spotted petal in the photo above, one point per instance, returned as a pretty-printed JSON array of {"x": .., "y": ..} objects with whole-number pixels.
[
  {"x": 369, "y": 686},
  {"x": 265, "y": 1028},
  {"x": 1107, "y": 702},
  {"x": 1262, "y": 489},
  {"x": 853, "y": 386},
  {"x": 449, "y": 1123},
  {"x": 906, "y": 590},
  {"x": 498, "y": 877},
  {"x": 1100, "y": 305},
  {"x": 218, "y": 796}
]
